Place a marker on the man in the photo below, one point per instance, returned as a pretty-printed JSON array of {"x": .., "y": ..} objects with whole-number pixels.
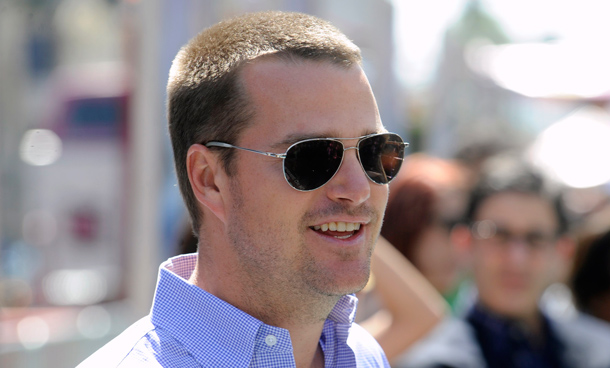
[
  {"x": 283, "y": 163},
  {"x": 516, "y": 236}
]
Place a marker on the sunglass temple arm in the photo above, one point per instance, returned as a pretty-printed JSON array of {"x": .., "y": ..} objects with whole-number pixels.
[{"x": 227, "y": 145}]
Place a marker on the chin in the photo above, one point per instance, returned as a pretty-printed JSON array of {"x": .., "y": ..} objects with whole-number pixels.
[
  {"x": 343, "y": 283},
  {"x": 354, "y": 288},
  {"x": 513, "y": 307}
]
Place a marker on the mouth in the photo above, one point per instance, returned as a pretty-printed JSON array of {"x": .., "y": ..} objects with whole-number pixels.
[
  {"x": 514, "y": 281},
  {"x": 338, "y": 230}
]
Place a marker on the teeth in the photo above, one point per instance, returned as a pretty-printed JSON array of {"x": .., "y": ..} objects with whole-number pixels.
[{"x": 338, "y": 226}]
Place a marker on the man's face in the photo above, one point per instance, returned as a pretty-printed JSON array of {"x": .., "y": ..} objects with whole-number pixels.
[
  {"x": 515, "y": 252},
  {"x": 272, "y": 226}
]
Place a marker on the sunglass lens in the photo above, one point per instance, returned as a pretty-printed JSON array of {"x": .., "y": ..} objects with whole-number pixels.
[
  {"x": 310, "y": 164},
  {"x": 381, "y": 156}
]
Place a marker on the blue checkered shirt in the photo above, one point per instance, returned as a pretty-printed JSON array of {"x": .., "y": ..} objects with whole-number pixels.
[{"x": 189, "y": 327}]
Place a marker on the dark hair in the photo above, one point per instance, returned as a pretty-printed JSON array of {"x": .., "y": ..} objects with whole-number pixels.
[
  {"x": 409, "y": 212},
  {"x": 510, "y": 174},
  {"x": 206, "y": 100},
  {"x": 423, "y": 194},
  {"x": 591, "y": 277}
]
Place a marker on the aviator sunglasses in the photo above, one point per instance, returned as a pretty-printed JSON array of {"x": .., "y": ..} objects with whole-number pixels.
[{"x": 311, "y": 163}]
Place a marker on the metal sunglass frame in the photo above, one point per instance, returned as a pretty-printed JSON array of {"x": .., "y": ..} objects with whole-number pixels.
[{"x": 283, "y": 155}]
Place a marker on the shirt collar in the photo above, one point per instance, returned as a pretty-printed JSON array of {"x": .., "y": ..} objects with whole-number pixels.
[
  {"x": 501, "y": 337},
  {"x": 344, "y": 312},
  {"x": 195, "y": 317},
  {"x": 499, "y": 324}
]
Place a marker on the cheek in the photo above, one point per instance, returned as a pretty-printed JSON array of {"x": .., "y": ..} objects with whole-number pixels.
[
  {"x": 548, "y": 267},
  {"x": 379, "y": 197},
  {"x": 428, "y": 253},
  {"x": 257, "y": 208},
  {"x": 486, "y": 263},
  {"x": 257, "y": 172},
  {"x": 264, "y": 188}
]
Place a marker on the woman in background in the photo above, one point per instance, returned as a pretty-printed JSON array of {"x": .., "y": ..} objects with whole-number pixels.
[{"x": 426, "y": 200}]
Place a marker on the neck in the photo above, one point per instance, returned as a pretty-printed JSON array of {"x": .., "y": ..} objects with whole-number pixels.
[
  {"x": 531, "y": 322},
  {"x": 302, "y": 315},
  {"x": 306, "y": 346}
]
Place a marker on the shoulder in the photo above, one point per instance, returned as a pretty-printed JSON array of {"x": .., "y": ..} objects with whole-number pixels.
[
  {"x": 451, "y": 344},
  {"x": 114, "y": 352},
  {"x": 366, "y": 349},
  {"x": 140, "y": 345},
  {"x": 586, "y": 339}
]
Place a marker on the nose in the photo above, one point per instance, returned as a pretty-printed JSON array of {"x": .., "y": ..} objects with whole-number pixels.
[
  {"x": 350, "y": 184},
  {"x": 518, "y": 250}
]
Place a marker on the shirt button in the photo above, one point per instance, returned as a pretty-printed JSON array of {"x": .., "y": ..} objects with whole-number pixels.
[{"x": 270, "y": 340}]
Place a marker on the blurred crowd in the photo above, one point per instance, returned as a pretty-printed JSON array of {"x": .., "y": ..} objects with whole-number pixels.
[{"x": 525, "y": 277}]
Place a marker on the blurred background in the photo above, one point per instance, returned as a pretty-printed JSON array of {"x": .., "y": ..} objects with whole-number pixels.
[{"x": 89, "y": 205}]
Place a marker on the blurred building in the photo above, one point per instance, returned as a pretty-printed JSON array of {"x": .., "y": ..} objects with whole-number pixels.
[
  {"x": 492, "y": 90},
  {"x": 466, "y": 107}
]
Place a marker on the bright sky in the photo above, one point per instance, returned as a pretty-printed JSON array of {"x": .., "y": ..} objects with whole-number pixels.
[
  {"x": 420, "y": 26},
  {"x": 577, "y": 65}
]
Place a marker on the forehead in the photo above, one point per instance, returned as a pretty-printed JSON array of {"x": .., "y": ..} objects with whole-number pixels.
[
  {"x": 518, "y": 211},
  {"x": 308, "y": 98}
]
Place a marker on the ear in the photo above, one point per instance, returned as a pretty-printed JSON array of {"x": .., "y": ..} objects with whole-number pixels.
[
  {"x": 565, "y": 249},
  {"x": 206, "y": 176},
  {"x": 461, "y": 239}
]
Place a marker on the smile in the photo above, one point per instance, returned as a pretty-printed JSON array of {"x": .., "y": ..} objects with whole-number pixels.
[{"x": 339, "y": 230}]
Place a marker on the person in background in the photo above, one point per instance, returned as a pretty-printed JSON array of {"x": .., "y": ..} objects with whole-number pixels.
[
  {"x": 284, "y": 165},
  {"x": 516, "y": 235},
  {"x": 426, "y": 200}
]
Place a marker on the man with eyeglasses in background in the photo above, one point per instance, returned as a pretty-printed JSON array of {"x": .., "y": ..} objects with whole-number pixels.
[
  {"x": 516, "y": 236},
  {"x": 283, "y": 163}
]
